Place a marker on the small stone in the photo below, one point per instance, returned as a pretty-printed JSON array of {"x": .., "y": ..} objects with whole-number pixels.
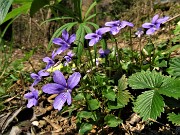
[{"x": 35, "y": 123}]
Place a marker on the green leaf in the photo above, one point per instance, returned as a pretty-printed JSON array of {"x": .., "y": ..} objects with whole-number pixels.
[
  {"x": 4, "y": 8},
  {"x": 85, "y": 127},
  {"x": 87, "y": 29},
  {"x": 36, "y": 5},
  {"x": 86, "y": 115},
  {"x": 114, "y": 105},
  {"x": 2, "y": 106},
  {"x": 17, "y": 11},
  {"x": 93, "y": 104},
  {"x": 2, "y": 91},
  {"x": 109, "y": 94},
  {"x": 66, "y": 11},
  {"x": 79, "y": 96},
  {"x": 173, "y": 48},
  {"x": 13, "y": 77},
  {"x": 90, "y": 8},
  {"x": 123, "y": 97},
  {"x": 150, "y": 104},
  {"x": 122, "y": 83},
  {"x": 21, "y": 1},
  {"x": 174, "y": 118},
  {"x": 171, "y": 88},
  {"x": 7, "y": 26},
  {"x": 148, "y": 48},
  {"x": 71, "y": 25},
  {"x": 146, "y": 79},
  {"x": 112, "y": 121},
  {"x": 56, "y": 18},
  {"x": 93, "y": 24},
  {"x": 174, "y": 68},
  {"x": 80, "y": 40},
  {"x": 90, "y": 17}
]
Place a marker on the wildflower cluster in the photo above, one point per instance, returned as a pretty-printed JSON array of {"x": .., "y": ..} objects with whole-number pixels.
[
  {"x": 64, "y": 88},
  {"x": 60, "y": 86}
]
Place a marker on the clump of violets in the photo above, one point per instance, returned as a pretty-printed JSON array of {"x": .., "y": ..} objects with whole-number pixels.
[
  {"x": 38, "y": 77},
  {"x": 113, "y": 27},
  {"x": 32, "y": 97},
  {"x": 64, "y": 42},
  {"x": 62, "y": 87},
  {"x": 97, "y": 36},
  {"x": 154, "y": 25},
  {"x": 104, "y": 53},
  {"x": 116, "y": 26}
]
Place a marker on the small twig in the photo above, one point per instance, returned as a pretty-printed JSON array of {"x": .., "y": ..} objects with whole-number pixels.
[
  {"x": 172, "y": 18},
  {"x": 30, "y": 30},
  {"x": 161, "y": 124},
  {"x": 32, "y": 66}
]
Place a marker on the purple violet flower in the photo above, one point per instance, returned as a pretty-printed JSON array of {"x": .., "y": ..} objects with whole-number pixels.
[
  {"x": 116, "y": 26},
  {"x": 50, "y": 62},
  {"x": 139, "y": 32},
  {"x": 32, "y": 97},
  {"x": 62, "y": 88},
  {"x": 68, "y": 57},
  {"x": 38, "y": 77},
  {"x": 155, "y": 24},
  {"x": 65, "y": 42},
  {"x": 97, "y": 36},
  {"x": 103, "y": 53}
]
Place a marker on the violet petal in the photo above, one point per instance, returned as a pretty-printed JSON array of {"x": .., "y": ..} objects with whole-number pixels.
[
  {"x": 112, "y": 23},
  {"x": 69, "y": 99},
  {"x": 147, "y": 25},
  {"x": 92, "y": 42},
  {"x": 60, "y": 100},
  {"x": 103, "y": 30},
  {"x": 43, "y": 73},
  {"x": 90, "y": 36},
  {"x": 154, "y": 19},
  {"x": 162, "y": 20},
  {"x": 35, "y": 93},
  {"x": 36, "y": 81},
  {"x": 65, "y": 35},
  {"x": 73, "y": 80},
  {"x": 47, "y": 59},
  {"x": 34, "y": 76},
  {"x": 59, "y": 78},
  {"x": 115, "y": 30},
  {"x": 61, "y": 49},
  {"x": 52, "y": 88},
  {"x": 71, "y": 39},
  {"x": 125, "y": 23},
  {"x": 58, "y": 41},
  {"x": 28, "y": 95},
  {"x": 150, "y": 31},
  {"x": 32, "y": 102}
]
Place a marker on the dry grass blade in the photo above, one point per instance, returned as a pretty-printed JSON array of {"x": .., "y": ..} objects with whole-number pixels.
[{"x": 9, "y": 119}]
